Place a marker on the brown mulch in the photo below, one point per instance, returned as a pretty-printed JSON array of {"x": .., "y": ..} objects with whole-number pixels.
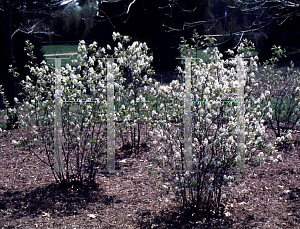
[{"x": 29, "y": 197}]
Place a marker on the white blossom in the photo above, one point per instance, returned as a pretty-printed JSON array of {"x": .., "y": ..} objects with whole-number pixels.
[{"x": 279, "y": 157}]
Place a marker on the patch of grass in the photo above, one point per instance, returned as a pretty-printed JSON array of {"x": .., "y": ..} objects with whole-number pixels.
[{"x": 59, "y": 48}]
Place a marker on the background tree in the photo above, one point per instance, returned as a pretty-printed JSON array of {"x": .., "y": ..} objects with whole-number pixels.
[
  {"x": 18, "y": 17},
  {"x": 264, "y": 22},
  {"x": 148, "y": 20},
  {"x": 76, "y": 23},
  {"x": 278, "y": 20},
  {"x": 268, "y": 10}
]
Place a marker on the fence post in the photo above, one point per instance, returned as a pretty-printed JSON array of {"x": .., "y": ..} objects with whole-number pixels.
[
  {"x": 240, "y": 115},
  {"x": 58, "y": 121},
  {"x": 187, "y": 117},
  {"x": 110, "y": 118}
]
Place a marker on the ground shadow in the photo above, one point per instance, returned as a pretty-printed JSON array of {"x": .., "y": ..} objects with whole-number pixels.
[
  {"x": 59, "y": 200},
  {"x": 176, "y": 220}
]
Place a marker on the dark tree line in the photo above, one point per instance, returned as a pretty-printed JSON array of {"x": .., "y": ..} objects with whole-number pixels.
[
  {"x": 143, "y": 20},
  {"x": 21, "y": 20}
]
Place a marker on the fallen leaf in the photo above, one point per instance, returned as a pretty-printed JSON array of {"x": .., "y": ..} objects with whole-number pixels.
[
  {"x": 45, "y": 214},
  {"x": 242, "y": 203},
  {"x": 91, "y": 216},
  {"x": 227, "y": 214}
]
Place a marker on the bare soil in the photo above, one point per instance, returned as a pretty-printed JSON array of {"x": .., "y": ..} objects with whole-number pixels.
[{"x": 30, "y": 198}]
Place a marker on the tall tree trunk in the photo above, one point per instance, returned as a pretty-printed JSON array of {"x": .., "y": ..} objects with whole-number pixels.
[{"x": 8, "y": 50}]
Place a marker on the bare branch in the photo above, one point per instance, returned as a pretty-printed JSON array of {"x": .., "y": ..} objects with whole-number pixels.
[
  {"x": 163, "y": 7},
  {"x": 259, "y": 17},
  {"x": 256, "y": 29},
  {"x": 239, "y": 41},
  {"x": 275, "y": 9},
  {"x": 189, "y": 11},
  {"x": 127, "y": 18},
  {"x": 17, "y": 30},
  {"x": 130, "y": 6},
  {"x": 32, "y": 29},
  {"x": 106, "y": 17},
  {"x": 188, "y": 25}
]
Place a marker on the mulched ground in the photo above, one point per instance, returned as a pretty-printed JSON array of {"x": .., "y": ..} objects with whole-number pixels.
[{"x": 29, "y": 197}]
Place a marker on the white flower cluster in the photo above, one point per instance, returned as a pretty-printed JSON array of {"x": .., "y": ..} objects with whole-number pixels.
[
  {"x": 277, "y": 159},
  {"x": 90, "y": 73},
  {"x": 285, "y": 138},
  {"x": 213, "y": 93}
]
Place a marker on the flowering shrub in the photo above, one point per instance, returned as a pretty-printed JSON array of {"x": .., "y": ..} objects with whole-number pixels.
[
  {"x": 214, "y": 116},
  {"x": 283, "y": 87},
  {"x": 134, "y": 67},
  {"x": 84, "y": 144}
]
